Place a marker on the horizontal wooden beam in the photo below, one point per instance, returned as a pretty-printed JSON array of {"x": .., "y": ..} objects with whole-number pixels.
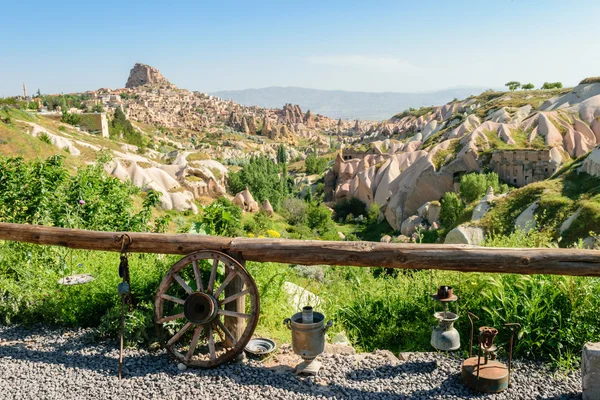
[{"x": 313, "y": 252}]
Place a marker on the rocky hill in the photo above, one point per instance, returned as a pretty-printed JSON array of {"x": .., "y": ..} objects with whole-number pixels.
[
  {"x": 411, "y": 160},
  {"x": 182, "y": 138},
  {"x": 142, "y": 74}
]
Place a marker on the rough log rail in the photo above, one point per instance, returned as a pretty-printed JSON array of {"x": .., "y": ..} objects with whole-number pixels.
[{"x": 311, "y": 252}]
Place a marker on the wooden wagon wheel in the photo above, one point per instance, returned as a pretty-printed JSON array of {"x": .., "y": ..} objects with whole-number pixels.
[{"x": 195, "y": 303}]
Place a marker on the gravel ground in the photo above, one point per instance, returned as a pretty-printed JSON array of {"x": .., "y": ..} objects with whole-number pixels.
[{"x": 66, "y": 364}]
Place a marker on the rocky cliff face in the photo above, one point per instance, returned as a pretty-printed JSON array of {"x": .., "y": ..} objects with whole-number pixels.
[{"x": 142, "y": 74}]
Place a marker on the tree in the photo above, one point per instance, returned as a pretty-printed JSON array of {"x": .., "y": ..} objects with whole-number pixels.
[
  {"x": 121, "y": 126},
  {"x": 314, "y": 164},
  {"x": 513, "y": 85},
  {"x": 281, "y": 155},
  {"x": 527, "y": 86},
  {"x": 452, "y": 208},
  {"x": 473, "y": 186},
  {"x": 262, "y": 177},
  {"x": 552, "y": 85},
  {"x": 98, "y": 108}
]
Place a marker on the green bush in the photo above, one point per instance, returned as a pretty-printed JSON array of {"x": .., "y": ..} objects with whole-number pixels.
[
  {"x": 319, "y": 218},
  {"x": 452, "y": 208},
  {"x": 352, "y": 206},
  {"x": 259, "y": 224},
  {"x": 473, "y": 186},
  {"x": 221, "y": 217},
  {"x": 294, "y": 211},
  {"x": 43, "y": 192}
]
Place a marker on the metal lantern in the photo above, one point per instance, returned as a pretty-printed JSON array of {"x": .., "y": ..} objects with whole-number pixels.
[
  {"x": 444, "y": 336},
  {"x": 484, "y": 373},
  {"x": 308, "y": 338}
]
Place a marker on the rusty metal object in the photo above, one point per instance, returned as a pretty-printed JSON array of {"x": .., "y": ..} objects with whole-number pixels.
[
  {"x": 513, "y": 326},
  {"x": 308, "y": 339},
  {"x": 192, "y": 301},
  {"x": 487, "y": 375},
  {"x": 124, "y": 291},
  {"x": 471, "y": 316},
  {"x": 490, "y": 377}
]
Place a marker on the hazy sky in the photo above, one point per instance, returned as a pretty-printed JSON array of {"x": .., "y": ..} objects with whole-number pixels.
[{"x": 419, "y": 45}]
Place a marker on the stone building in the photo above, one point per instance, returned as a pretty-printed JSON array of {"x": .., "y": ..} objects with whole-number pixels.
[
  {"x": 521, "y": 167},
  {"x": 351, "y": 153}
]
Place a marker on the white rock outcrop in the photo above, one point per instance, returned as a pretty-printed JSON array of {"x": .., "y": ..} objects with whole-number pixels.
[
  {"x": 465, "y": 235},
  {"x": 526, "y": 220}
]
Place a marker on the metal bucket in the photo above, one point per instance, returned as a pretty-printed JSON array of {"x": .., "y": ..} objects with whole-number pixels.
[{"x": 308, "y": 339}]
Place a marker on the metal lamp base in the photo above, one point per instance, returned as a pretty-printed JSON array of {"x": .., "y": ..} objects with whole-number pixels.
[{"x": 493, "y": 375}]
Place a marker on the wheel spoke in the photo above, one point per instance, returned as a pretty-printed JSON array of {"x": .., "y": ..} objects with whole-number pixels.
[
  {"x": 213, "y": 275},
  {"x": 172, "y": 298},
  {"x": 219, "y": 333},
  {"x": 226, "y": 282},
  {"x": 170, "y": 318},
  {"x": 234, "y": 297},
  {"x": 194, "y": 343},
  {"x": 179, "y": 334},
  {"x": 211, "y": 344},
  {"x": 184, "y": 285},
  {"x": 224, "y": 329},
  {"x": 197, "y": 276},
  {"x": 233, "y": 314}
]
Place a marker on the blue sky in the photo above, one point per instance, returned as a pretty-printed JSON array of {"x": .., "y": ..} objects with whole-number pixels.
[{"x": 403, "y": 46}]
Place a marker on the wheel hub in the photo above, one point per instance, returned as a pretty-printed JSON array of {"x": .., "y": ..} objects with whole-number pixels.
[{"x": 200, "y": 308}]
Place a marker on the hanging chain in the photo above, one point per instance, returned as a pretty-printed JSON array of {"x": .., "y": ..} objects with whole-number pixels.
[{"x": 124, "y": 291}]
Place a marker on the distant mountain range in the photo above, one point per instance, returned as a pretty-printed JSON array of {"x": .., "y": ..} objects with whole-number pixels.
[{"x": 343, "y": 104}]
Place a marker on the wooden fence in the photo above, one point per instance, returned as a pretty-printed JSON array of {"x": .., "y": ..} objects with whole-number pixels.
[{"x": 312, "y": 252}]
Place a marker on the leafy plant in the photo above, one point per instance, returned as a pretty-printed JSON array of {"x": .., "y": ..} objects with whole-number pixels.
[{"x": 452, "y": 208}]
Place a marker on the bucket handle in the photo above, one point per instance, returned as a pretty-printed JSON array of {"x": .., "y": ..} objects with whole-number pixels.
[
  {"x": 329, "y": 325},
  {"x": 287, "y": 322}
]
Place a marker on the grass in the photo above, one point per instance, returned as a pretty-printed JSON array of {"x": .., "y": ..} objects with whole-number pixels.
[
  {"x": 444, "y": 157},
  {"x": 593, "y": 79},
  {"x": 199, "y": 156},
  {"x": 411, "y": 112}
]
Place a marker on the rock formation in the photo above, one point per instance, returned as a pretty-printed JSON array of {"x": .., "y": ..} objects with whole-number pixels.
[{"x": 142, "y": 74}]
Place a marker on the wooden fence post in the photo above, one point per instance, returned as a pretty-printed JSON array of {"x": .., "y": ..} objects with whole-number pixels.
[{"x": 236, "y": 325}]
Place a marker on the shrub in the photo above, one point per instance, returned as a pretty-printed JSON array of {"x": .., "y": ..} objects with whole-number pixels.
[
  {"x": 349, "y": 206},
  {"x": 452, "y": 208},
  {"x": 294, "y": 211},
  {"x": 260, "y": 224},
  {"x": 45, "y": 138},
  {"x": 319, "y": 218},
  {"x": 43, "y": 192},
  {"x": 221, "y": 217}
]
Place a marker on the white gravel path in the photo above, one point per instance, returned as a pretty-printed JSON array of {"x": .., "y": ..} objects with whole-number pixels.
[{"x": 41, "y": 363}]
